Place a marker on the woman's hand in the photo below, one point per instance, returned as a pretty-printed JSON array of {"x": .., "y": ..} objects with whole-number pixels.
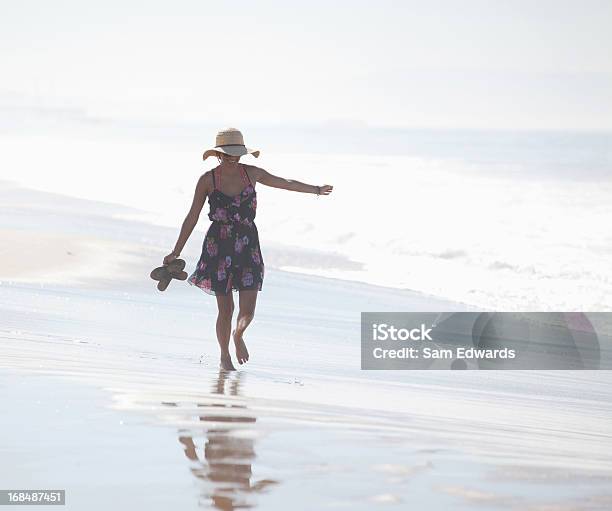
[
  {"x": 169, "y": 258},
  {"x": 325, "y": 189}
]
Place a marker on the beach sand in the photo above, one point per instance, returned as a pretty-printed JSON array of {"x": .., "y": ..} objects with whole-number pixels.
[{"x": 111, "y": 390}]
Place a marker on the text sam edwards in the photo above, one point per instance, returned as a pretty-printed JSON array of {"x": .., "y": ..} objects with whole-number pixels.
[{"x": 444, "y": 353}]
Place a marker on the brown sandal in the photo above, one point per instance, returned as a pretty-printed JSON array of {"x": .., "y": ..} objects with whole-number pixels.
[{"x": 166, "y": 273}]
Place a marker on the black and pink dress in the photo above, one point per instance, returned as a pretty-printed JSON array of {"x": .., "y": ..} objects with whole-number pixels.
[{"x": 231, "y": 257}]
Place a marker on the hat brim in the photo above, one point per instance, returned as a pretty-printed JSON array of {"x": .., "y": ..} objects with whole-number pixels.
[{"x": 234, "y": 150}]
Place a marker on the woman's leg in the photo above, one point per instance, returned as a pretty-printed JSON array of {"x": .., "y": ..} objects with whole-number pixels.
[
  {"x": 225, "y": 304},
  {"x": 247, "y": 301}
]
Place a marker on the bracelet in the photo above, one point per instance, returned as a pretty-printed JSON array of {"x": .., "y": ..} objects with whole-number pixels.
[{"x": 318, "y": 191}]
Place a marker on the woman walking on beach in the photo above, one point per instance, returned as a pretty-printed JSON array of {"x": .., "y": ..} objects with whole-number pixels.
[{"x": 231, "y": 257}]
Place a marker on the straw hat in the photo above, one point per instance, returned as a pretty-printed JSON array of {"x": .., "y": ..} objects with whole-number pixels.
[{"x": 230, "y": 141}]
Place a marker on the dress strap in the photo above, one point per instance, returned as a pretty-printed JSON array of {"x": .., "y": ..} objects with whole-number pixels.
[
  {"x": 245, "y": 176},
  {"x": 214, "y": 179}
]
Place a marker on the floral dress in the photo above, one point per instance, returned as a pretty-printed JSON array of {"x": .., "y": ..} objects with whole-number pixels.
[{"x": 231, "y": 257}]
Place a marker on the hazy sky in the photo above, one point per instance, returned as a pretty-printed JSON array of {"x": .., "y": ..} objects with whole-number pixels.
[{"x": 479, "y": 64}]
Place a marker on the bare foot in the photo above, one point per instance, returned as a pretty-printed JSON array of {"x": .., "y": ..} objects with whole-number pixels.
[
  {"x": 226, "y": 362},
  {"x": 242, "y": 354}
]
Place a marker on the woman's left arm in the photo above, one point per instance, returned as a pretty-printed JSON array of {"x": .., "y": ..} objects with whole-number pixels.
[{"x": 264, "y": 177}]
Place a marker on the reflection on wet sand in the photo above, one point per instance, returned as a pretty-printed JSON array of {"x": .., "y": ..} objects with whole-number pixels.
[{"x": 226, "y": 469}]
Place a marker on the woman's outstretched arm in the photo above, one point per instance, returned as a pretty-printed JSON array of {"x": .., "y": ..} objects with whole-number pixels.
[
  {"x": 264, "y": 177},
  {"x": 201, "y": 192}
]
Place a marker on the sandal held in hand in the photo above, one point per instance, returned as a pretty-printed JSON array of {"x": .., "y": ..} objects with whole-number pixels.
[{"x": 164, "y": 274}]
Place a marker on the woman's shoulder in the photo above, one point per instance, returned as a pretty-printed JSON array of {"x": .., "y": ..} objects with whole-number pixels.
[
  {"x": 206, "y": 180},
  {"x": 253, "y": 171}
]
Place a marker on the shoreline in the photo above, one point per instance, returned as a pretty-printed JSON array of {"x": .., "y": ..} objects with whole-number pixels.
[{"x": 40, "y": 245}]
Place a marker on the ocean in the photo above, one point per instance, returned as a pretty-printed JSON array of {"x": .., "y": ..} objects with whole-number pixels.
[{"x": 502, "y": 220}]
